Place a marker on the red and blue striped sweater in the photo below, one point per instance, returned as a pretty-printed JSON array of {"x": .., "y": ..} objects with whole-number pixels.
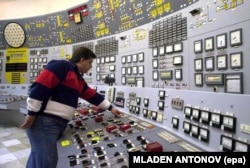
[{"x": 57, "y": 89}]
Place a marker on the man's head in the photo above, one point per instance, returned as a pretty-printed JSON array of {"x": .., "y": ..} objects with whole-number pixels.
[{"x": 83, "y": 58}]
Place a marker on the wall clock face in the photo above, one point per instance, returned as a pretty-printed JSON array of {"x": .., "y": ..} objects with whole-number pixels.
[{"x": 14, "y": 35}]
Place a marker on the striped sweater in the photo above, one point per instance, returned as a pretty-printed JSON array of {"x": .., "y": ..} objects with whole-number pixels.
[{"x": 57, "y": 89}]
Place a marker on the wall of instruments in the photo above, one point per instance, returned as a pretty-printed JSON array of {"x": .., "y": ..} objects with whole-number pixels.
[{"x": 179, "y": 65}]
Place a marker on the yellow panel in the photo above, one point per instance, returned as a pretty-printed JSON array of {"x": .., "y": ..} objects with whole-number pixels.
[
  {"x": 58, "y": 19},
  {"x": 101, "y": 25},
  {"x": 17, "y": 55},
  {"x": 16, "y": 77},
  {"x": 102, "y": 32},
  {"x": 97, "y": 5},
  {"x": 160, "y": 10},
  {"x": 99, "y": 14},
  {"x": 65, "y": 143},
  {"x": 106, "y": 31},
  {"x": 158, "y": 2},
  {"x": 153, "y": 13},
  {"x": 111, "y": 5},
  {"x": 167, "y": 7}
]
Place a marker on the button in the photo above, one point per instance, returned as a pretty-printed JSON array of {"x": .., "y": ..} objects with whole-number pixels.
[
  {"x": 120, "y": 160},
  {"x": 97, "y": 148},
  {"x": 129, "y": 145},
  {"x": 117, "y": 154},
  {"x": 104, "y": 164},
  {"x": 84, "y": 151},
  {"x": 111, "y": 145}
]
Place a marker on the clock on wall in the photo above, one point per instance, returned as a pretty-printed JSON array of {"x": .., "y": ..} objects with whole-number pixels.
[{"x": 14, "y": 35}]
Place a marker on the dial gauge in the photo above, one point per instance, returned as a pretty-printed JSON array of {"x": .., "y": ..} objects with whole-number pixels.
[
  {"x": 221, "y": 62},
  {"x": 236, "y": 37},
  {"x": 198, "y": 66},
  {"x": 198, "y": 79},
  {"x": 221, "y": 41},
  {"x": 209, "y": 44},
  {"x": 198, "y": 46},
  {"x": 236, "y": 60}
]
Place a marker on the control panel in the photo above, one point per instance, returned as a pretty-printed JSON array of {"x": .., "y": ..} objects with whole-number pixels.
[
  {"x": 95, "y": 138},
  {"x": 178, "y": 70}
]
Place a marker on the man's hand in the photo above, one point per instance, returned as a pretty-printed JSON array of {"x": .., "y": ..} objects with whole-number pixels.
[
  {"x": 116, "y": 112},
  {"x": 29, "y": 120}
]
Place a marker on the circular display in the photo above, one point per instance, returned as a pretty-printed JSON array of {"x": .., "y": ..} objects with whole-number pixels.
[{"x": 14, "y": 35}]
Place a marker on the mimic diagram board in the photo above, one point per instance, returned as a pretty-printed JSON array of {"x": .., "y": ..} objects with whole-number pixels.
[{"x": 89, "y": 21}]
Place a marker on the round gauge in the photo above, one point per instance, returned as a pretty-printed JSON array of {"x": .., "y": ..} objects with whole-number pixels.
[
  {"x": 198, "y": 64},
  {"x": 14, "y": 35},
  {"x": 198, "y": 79},
  {"x": 221, "y": 62},
  {"x": 236, "y": 60}
]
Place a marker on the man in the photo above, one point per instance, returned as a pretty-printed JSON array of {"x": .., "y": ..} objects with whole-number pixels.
[{"x": 52, "y": 102}]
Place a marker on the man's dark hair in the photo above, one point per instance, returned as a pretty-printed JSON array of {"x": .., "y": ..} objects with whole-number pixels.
[{"x": 82, "y": 52}]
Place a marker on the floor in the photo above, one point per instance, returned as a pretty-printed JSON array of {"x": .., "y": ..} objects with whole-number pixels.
[{"x": 14, "y": 147}]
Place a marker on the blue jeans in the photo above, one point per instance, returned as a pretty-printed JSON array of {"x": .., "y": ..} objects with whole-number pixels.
[{"x": 43, "y": 136}]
